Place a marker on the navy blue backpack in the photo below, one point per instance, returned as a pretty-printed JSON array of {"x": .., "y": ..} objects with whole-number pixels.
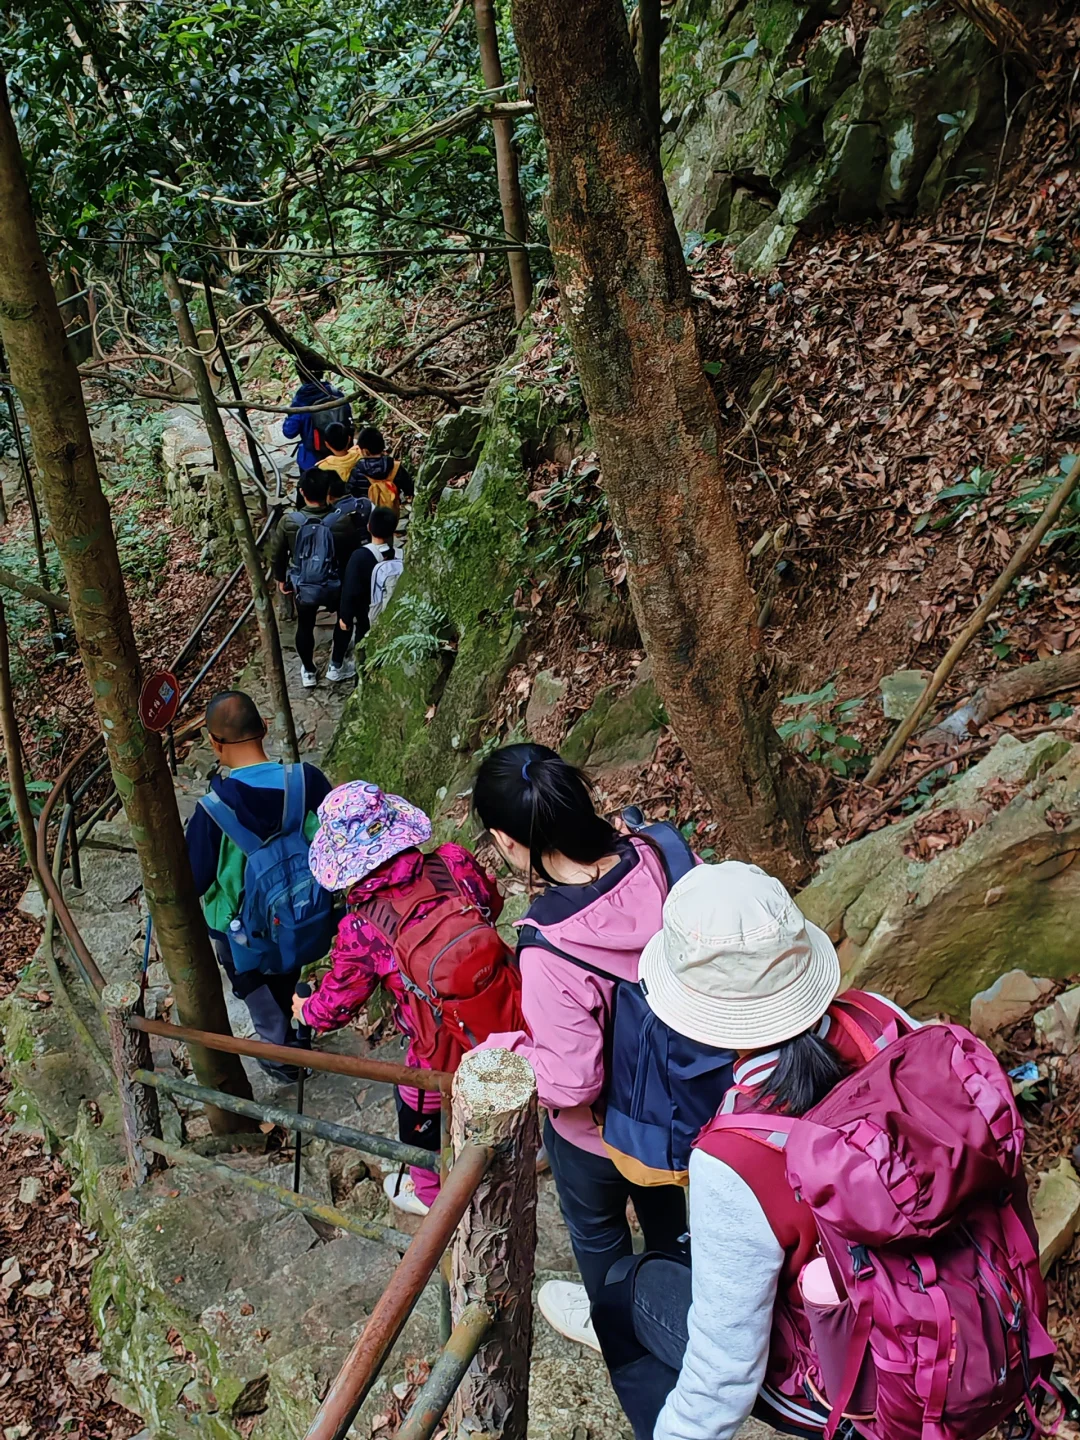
[
  {"x": 285, "y": 917},
  {"x": 662, "y": 1088},
  {"x": 313, "y": 571}
]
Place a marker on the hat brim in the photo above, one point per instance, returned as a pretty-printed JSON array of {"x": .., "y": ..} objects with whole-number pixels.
[
  {"x": 340, "y": 869},
  {"x": 751, "y": 1022}
]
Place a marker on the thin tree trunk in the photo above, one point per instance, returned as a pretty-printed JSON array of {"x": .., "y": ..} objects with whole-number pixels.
[
  {"x": 29, "y": 591},
  {"x": 35, "y": 518},
  {"x": 506, "y": 166},
  {"x": 9, "y": 730},
  {"x": 265, "y": 618},
  {"x": 627, "y": 307},
  {"x": 234, "y": 385},
  {"x": 648, "y": 38},
  {"x": 47, "y": 380}
]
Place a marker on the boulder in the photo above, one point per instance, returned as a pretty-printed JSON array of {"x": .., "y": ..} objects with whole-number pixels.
[
  {"x": 621, "y": 728},
  {"x": 1059, "y": 1023},
  {"x": 1006, "y": 1001},
  {"x": 1056, "y": 1209},
  {"x": 933, "y": 933},
  {"x": 544, "y": 698}
]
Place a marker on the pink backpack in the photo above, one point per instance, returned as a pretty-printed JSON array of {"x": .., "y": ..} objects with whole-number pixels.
[{"x": 911, "y": 1167}]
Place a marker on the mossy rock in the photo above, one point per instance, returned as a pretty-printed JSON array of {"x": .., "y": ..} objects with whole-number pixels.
[
  {"x": 934, "y": 933},
  {"x": 815, "y": 125},
  {"x": 619, "y": 730}
]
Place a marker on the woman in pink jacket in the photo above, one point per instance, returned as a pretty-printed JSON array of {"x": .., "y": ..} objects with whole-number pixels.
[
  {"x": 602, "y": 901},
  {"x": 368, "y": 845}
]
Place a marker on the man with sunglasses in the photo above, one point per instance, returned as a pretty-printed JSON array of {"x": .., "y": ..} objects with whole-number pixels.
[{"x": 253, "y": 790}]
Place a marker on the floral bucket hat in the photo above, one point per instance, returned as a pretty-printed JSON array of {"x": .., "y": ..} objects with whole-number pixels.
[{"x": 359, "y": 828}]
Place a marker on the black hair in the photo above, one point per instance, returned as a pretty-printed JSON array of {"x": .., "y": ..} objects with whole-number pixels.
[
  {"x": 337, "y": 436},
  {"x": 311, "y": 369},
  {"x": 315, "y": 485},
  {"x": 382, "y": 523},
  {"x": 336, "y": 487},
  {"x": 542, "y": 801},
  {"x": 371, "y": 439},
  {"x": 233, "y": 717},
  {"x": 807, "y": 1069}
]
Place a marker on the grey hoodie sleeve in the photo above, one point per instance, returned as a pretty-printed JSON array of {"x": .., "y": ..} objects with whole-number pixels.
[{"x": 736, "y": 1265}]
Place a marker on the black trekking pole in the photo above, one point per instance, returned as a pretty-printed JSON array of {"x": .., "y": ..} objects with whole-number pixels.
[{"x": 304, "y": 1035}]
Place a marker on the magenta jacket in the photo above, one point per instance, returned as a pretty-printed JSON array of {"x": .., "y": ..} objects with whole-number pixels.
[
  {"x": 568, "y": 1009},
  {"x": 361, "y": 959}
]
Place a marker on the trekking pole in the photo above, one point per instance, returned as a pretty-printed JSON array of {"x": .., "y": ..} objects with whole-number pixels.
[
  {"x": 304, "y": 1036},
  {"x": 146, "y": 954}
]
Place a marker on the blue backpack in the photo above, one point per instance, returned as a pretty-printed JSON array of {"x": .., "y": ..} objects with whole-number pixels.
[
  {"x": 313, "y": 572},
  {"x": 284, "y": 921},
  {"x": 662, "y": 1088}
]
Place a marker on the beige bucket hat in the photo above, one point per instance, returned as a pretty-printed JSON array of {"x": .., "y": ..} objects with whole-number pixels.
[{"x": 737, "y": 965}]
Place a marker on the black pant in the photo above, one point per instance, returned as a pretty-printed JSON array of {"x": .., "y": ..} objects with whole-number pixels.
[
  {"x": 593, "y": 1196},
  {"x": 417, "y": 1128},
  {"x": 305, "y": 634},
  {"x": 342, "y": 641},
  {"x": 268, "y": 997}
]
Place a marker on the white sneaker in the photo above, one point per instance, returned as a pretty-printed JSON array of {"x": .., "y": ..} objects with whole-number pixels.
[
  {"x": 565, "y": 1306},
  {"x": 308, "y": 678},
  {"x": 346, "y": 671},
  {"x": 401, "y": 1192}
]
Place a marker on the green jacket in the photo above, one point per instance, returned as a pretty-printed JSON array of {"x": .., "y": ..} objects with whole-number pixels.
[{"x": 347, "y": 531}]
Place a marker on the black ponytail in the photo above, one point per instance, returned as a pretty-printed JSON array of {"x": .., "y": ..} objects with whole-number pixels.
[
  {"x": 805, "y": 1073},
  {"x": 543, "y": 802}
]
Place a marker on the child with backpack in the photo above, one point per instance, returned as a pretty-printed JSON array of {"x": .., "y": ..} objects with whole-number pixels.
[
  {"x": 608, "y": 1138},
  {"x": 423, "y": 927},
  {"x": 370, "y": 578},
  {"x": 863, "y": 1251},
  {"x": 378, "y": 475}
]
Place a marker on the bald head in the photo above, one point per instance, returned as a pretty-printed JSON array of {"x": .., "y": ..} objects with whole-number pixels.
[{"x": 233, "y": 718}]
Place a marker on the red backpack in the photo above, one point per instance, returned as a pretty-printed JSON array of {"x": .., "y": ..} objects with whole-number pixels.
[
  {"x": 908, "y": 1179},
  {"x": 458, "y": 974}
]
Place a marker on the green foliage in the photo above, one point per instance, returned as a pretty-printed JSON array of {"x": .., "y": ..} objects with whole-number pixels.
[
  {"x": 36, "y": 792},
  {"x": 1031, "y": 503},
  {"x": 573, "y": 518},
  {"x": 816, "y": 732},
  {"x": 967, "y": 493},
  {"x": 424, "y": 638}
]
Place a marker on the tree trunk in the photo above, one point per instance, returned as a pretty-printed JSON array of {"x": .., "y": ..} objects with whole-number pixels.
[
  {"x": 627, "y": 307},
  {"x": 47, "y": 380},
  {"x": 648, "y": 38},
  {"x": 265, "y": 618},
  {"x": 234, "y": 385},
  {"x": 506, "y": 166},
  {"x": 9, "y": 730}
]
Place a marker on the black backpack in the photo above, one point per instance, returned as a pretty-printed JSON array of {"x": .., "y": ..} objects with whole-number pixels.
[
  {"x": 662, "y": 1088},
  {"x": 321, "y": 421},
  {"x": 313, "y": 570}
]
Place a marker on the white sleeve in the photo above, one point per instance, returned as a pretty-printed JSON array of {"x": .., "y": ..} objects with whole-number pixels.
[{"x": 736, "y": 1262}]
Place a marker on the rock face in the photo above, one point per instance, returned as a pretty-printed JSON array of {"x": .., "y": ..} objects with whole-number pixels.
[
  {"x": 1008, "y": 1000},
  {"x": 934, "y": 933},
  {"x": 783, "y": 113},
  {"x": 1056, "y": 1208},
  {"x": 1059, "y": 1023},
  {"x": 620, "y": 729}
]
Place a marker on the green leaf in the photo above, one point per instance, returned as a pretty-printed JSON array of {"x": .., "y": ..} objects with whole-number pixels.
[
  {"x": 815, "y": 697},
  {"x": 713, "y": 367}
]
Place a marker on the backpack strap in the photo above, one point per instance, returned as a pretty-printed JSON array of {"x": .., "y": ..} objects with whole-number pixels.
[
  {"x": 853, "y": 1009},
  {"x": 529, "y": 938},
  {"x": 675, "y": 854},
  {"x": 227, "y": 821},
  {"x": 294, "y": 810},
  {"x": 770, "y": 1130},
  {"x": 391, "y": 474}
]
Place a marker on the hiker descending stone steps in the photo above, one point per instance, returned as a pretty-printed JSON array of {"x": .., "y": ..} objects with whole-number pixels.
[
  {"x": 304, "y": 556},
  {"x": 370, "y": 578},
  {"x": 248, "y": 842},
  {"x": 422, "y": 926},
  {"x": 378, "y": 475},
  {"x": 310, "y": 429}
]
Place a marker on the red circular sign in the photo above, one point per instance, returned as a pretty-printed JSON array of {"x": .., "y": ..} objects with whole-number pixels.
[{"x": 159, "y": 701}]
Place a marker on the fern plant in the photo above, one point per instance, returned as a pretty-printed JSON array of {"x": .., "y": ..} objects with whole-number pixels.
[{"x": 423, "y": 638}]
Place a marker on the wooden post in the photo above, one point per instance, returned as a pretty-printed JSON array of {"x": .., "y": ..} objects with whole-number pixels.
[
  {"x": 494, "y": 1247},
  {"x": 138, "y": 1103}
]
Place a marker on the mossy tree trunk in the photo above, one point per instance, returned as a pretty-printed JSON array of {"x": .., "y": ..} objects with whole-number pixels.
[
  {"x": 506, "y": 165},
  {"x": 626, "y": 305},
  {"x": 45, "y": 376},
  {"x": 224, "y": 460}
]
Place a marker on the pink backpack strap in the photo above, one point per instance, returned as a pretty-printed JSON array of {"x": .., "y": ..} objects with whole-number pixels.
[
  {"x": 770, "y": 1130},
  {"x": 854, "y": 1009}
]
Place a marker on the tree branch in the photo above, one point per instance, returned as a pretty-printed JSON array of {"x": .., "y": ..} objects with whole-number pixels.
[
  {"x": 30, "y": 591},
  {"x": 431, "y": 340}
]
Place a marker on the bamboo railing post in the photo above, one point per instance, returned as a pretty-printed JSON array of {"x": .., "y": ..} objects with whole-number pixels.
[
  {"x": 138, "y": 1103},
  {"x": 494, "y": 1248}
]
